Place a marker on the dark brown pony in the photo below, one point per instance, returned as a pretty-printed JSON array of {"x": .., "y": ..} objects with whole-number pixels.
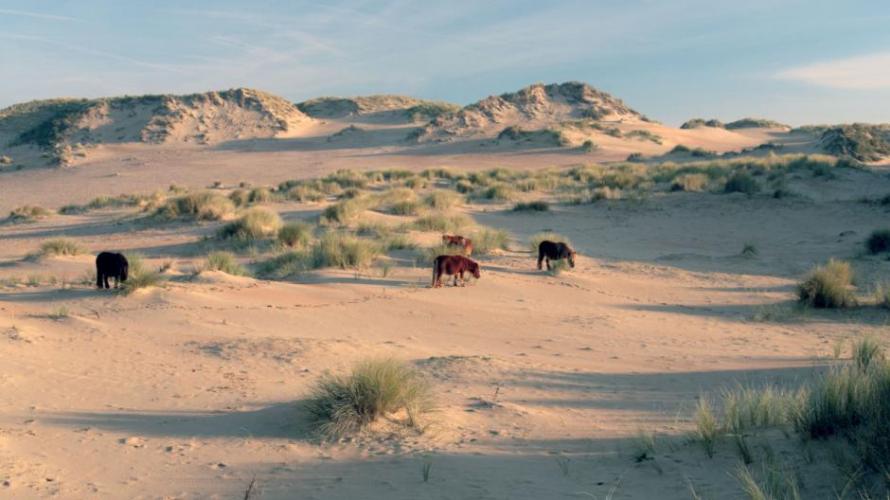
[
  {"x": 455, "y": 240},
  {"x": 111, "y": 265},
  {"x": 550, "y": 250},
  {"x": 453, "y": 265}
]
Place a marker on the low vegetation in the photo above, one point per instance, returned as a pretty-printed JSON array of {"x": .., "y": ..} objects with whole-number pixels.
[
  {"x": 60, "y": 246},
  {"x": 295, "y": 234},
  {"x": 442, "y": 222},
  {"x": 828, "y": 286},
  {"x": 532, "y": 206},
  {"x": 487, "y": 241},
  {"x": 196, "y": 206},
  {"x": 28, "y": 213},
  {"x": 140, "y": 276},
  {"x": 225, "y": 262},
  {"x": 345, "y": 404},
  {"x": 257, "y": 223}
]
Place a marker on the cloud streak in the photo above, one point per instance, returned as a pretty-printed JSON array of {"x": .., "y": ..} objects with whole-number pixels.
[
  {"x": 35, "y": 15},
  {"x": 865, "y": 72}
]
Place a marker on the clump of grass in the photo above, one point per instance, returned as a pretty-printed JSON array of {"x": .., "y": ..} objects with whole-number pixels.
[
  {"x": 345, "y": 404},
  {"x": 865, "y": 352},
  {"x": 240, "y": 197},
  {"x": 741, "y": 182},
  {"x": 487, "y": 240},
  {"x": 441, "y": 199},
  {"x": 346, "y": 211},
  {"x": 442, "y": 222},
  {"x": 343, "y": 250},
  {"x": 28, "y": 213},
  {"x": 750, "y": 250},
  {"x": 707, "y": 430},
  {"x": 878, "y": 241},
  {"x": 546, "y": 235},
  {"x": 589, "y": 146},
  {"x": 59, "y": 313},
  {"x": 498, "y": 192},
  {"x": 295, "y": 234},
  {"x": 828, "y": 286},
  {"x": 532, "y": 206},
  {"x": 557, "y": 267},
  {"x": 225, "y": 262},
  {"x": 60, "y": 246},
  {"x": 773, "y": 483},
  {"x": 255, "y": 224},
  {"x": 882, "y": 296},
  {"x": 259, "y": 195},
  {"x": 747, "y": 408},
  {"x": 139, "y": 276},
  {"x": 644, "y": 447},
  {"x": 690, "y": 182},
  {"x": 196, "y": 206},
  {"x": 287, "y": 265}
]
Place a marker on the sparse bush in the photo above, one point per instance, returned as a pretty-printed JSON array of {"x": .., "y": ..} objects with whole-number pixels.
[
  {"x": 499, "y": 192},
  {"x": 589, "y": 146},
  {"x": 197, "y": 206},
  {"x": 442, "y": 222},
  {"x": 346, "y": 211},
  {"x": 412, "y": 207},
  {"x": 532, "y": 206},
  {"x": 295, "y": 234},
  {"x": 28, "y": 213},
  {"x": 486, "y": 241},
  {"x": 259, "y": 195},
  {"x": 690, "y": 182},
  {"x": 878, "y": 241},
  {"x": 606, "y": 193},
  {"x": 828, "y": 286},
  {"x": 536, "y": 240},
  {"x": 255, "y": 224},
  {"x": 139, "y": 276},
  {"x": 741, "y": 182},
  {"x": 441, "y": 199},
  {"x": 240, "y": 197},
  {"x": 225, "y": 262},
  {"x": 344, "y": 251},
  {"x": 287, "y": 265},
  {"x": 60, "y": 246},
  {"x": 345, "y": 404}
]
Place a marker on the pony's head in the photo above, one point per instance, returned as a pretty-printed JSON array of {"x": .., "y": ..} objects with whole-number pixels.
[
  {"x": 571, "y": 258},
  {"x": 474, "y": 268}
]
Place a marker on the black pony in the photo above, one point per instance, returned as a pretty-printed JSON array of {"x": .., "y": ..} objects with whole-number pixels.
[
  {"x": 549, "y": 250},
  {"x": 111, "y": 265}
]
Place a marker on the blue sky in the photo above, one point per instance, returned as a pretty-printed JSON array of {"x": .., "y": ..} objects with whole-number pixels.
[{"x": 810, "y": 61}]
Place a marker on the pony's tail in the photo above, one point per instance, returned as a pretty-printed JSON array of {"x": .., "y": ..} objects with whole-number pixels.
[{"x": 435, "y": 268}]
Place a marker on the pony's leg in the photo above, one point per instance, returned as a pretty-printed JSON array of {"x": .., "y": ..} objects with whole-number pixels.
[
  {"x": 105, "y": 279},
  {"x": 540, "y": 259},
  {"x": 98, "y": 279},
  {"x": 547, "y": 259}
]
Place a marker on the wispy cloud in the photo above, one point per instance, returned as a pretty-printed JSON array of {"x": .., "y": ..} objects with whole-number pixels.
[
  {"x": 866, "y": 72},
  {"x": 36, "y": 15}
]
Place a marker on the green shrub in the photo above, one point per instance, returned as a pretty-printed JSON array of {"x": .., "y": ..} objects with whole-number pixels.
[
  {"x": 532, "y": 206},
  {"x": 60, "y": 246},
  {"x": 225, "y": 262},
  {"x": 690, "y": 182},
  {"x": 345, "y": 404},
  {"x": 342, "y": 250},
  {"x": 139, "y": 276},
  {"x": 741, "y": 182},
  {"x": 255, "y": 224},
  {"x": 828, "y": 286},
  {"x": 486, "y": 241},
  {"x": 295, "y": 234},
  {"x": 28, "y": 213},
  {"x": 546, "y": 235},
  {"x": 442, "y": 222},
  {"x": 878, "y": 241},
  {"x": 196, "y": 206},
  {"x": 441, "y": 199}
]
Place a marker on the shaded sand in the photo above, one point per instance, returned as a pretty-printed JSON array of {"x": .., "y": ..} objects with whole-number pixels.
[{"x": 543, "y": 382}]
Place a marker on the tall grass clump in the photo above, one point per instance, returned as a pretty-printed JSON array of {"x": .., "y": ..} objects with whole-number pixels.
[
  {"x": 342, "y": 250},
  {"x": 707, "y": 430},
  {"x": 487, "y": 241},
  {"x": 348, "y": 210},
  {"x": 442, "y": 222},
  {"x": 295, "y": 234},
  {"x": 287, "y": 265},
  {"x": 690, "y": 182},
  {"x": 828, "y": 286},
  {"x": 532, "y": 206},
  {"x": 60, "y": 246},
  {"x": 878, "y": 241},
  {"x": 196, "y": 206},
  {"x": 225, "y": 262},
  {"x": 383, "y": 388},
  {"x": 28, "y": 213},
  {"x": 442, "y": 199},
  {"x": 536, "y": 240},
  {"x": 139, "y": 275},
  {"x": 741, "y": 182},
  {"x": 771, "y": 482},
  {"x": 255, "y": 224}
]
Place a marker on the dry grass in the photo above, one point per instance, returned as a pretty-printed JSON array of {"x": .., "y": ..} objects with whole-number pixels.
[
  {"x": 257, "y": 223},
  {"x": 225, "y": 262},
  {"x": 28, "y": 213},
  {"x": 196, "y": 206},
  {"x": 60, "y": 246},
  {"x": 828, "y": 286}
]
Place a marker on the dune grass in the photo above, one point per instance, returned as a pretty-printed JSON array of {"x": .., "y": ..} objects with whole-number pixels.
[
  {"x": 140, "y": 276},
  {"x": 28, "y": 213},
  {"x": 690, "y": 182},
  {"x": 196, "y": 206},
  {"x": 828, "y": 286},
  {"x": 295, "y": 234},
  {"x": 442, "y": 200},
  {"x": 741, "y": 182},
  {"x": 60, "y": 246},
  {"x": 257, "y": 223},
  {"x": 442, "y": 222},
  {"x": 488, "y": 240},
  {"x": 532, "y": 206},
  {"x": 345, "y": 404},
  {"x": 225, "y": 262}
]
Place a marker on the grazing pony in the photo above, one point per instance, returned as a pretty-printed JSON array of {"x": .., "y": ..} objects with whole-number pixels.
[
  {"x": 458, "y": 241},
  {"x": 453, "y": 265},
  {"x": 111, "y": 265},
  {"x": 549, "y": 250}
]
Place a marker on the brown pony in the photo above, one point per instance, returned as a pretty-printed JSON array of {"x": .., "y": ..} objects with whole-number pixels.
[
  {"x": 458, "y": 241},
  {"x": 453, "y": 265},
  {"x": 550, "y": 250}
]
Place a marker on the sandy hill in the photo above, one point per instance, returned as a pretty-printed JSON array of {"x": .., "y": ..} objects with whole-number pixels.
[
  {"x": 62, "y": 127},
  {"x": 534, "y": 107},
  {"x": 735, "y": 125},
  {"x": 397, "y": 107}
]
